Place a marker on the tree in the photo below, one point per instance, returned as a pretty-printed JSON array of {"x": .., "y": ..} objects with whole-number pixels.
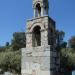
[
  {"x": 68, "y": 58},
  {"x": 72, "y": 42},
  {"x": 10, "y": 61},
  {"x": 59, "y": 39},
  {"x": 64, "y": 45},
  {"x": 60, "y": 35},
  {"x": 2, "y": 48},
  {"x": 19, "y": 40},
  {"x": 7, "y": 44}
]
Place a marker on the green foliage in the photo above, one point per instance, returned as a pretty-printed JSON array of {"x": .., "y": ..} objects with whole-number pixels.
[
  {"x": 10, "y": 61},
  {"x": 67, "y": 55},
  {"x": 68, "y": 58},
  {"x": 64, "y": 45},
  {"x": 7, "y": 44},
  {"x": 59, "y": 40},
  {"x": 72, "y": 42},
  {"x": 10, "y": 55},
  {"x": 2, "y": 49},
  {"x": 19, "y": 40},
  {"x": 60, "y": 35}
]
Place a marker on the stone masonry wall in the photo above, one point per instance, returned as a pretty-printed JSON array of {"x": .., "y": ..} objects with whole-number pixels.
[{"x": 38, "y": 61}]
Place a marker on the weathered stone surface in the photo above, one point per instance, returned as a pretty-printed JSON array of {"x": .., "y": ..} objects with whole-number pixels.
[{"x": 40, "y": 59}]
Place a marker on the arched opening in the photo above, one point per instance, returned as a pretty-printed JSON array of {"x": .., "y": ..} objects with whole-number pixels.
[
  {"x": 38, "y": 10},
  {"x": 36, "y": 37}
]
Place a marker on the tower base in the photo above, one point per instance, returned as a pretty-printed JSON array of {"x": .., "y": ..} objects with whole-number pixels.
[{"x": 39, "y": 61}]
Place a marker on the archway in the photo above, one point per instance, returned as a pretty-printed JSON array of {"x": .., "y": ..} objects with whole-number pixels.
[
  {"x": 38, "y": 10},
  {"x": 36, "y": 36}
]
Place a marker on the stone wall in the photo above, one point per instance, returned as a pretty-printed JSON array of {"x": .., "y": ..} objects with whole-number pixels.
[{"x": 38, "y": 61}]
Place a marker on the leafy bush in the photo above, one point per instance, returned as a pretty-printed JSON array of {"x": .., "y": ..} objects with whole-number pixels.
[
  {"x": 10, "y": 61},
  {"x": 68, "y": 58}
]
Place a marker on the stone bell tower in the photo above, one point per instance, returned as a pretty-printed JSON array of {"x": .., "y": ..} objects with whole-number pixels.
[
  {"x": 40, "y": 56},
  {"x": 40, "y": 7}
]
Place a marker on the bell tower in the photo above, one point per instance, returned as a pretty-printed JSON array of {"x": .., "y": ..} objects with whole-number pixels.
[
  {"x": 40, "y": 7},
  {"x": 40, "y": 56}
]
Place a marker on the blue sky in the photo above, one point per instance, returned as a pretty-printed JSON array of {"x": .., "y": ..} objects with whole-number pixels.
[
  {"x": 14, "y": 13},
  {"x": 73, "y": 73}
]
